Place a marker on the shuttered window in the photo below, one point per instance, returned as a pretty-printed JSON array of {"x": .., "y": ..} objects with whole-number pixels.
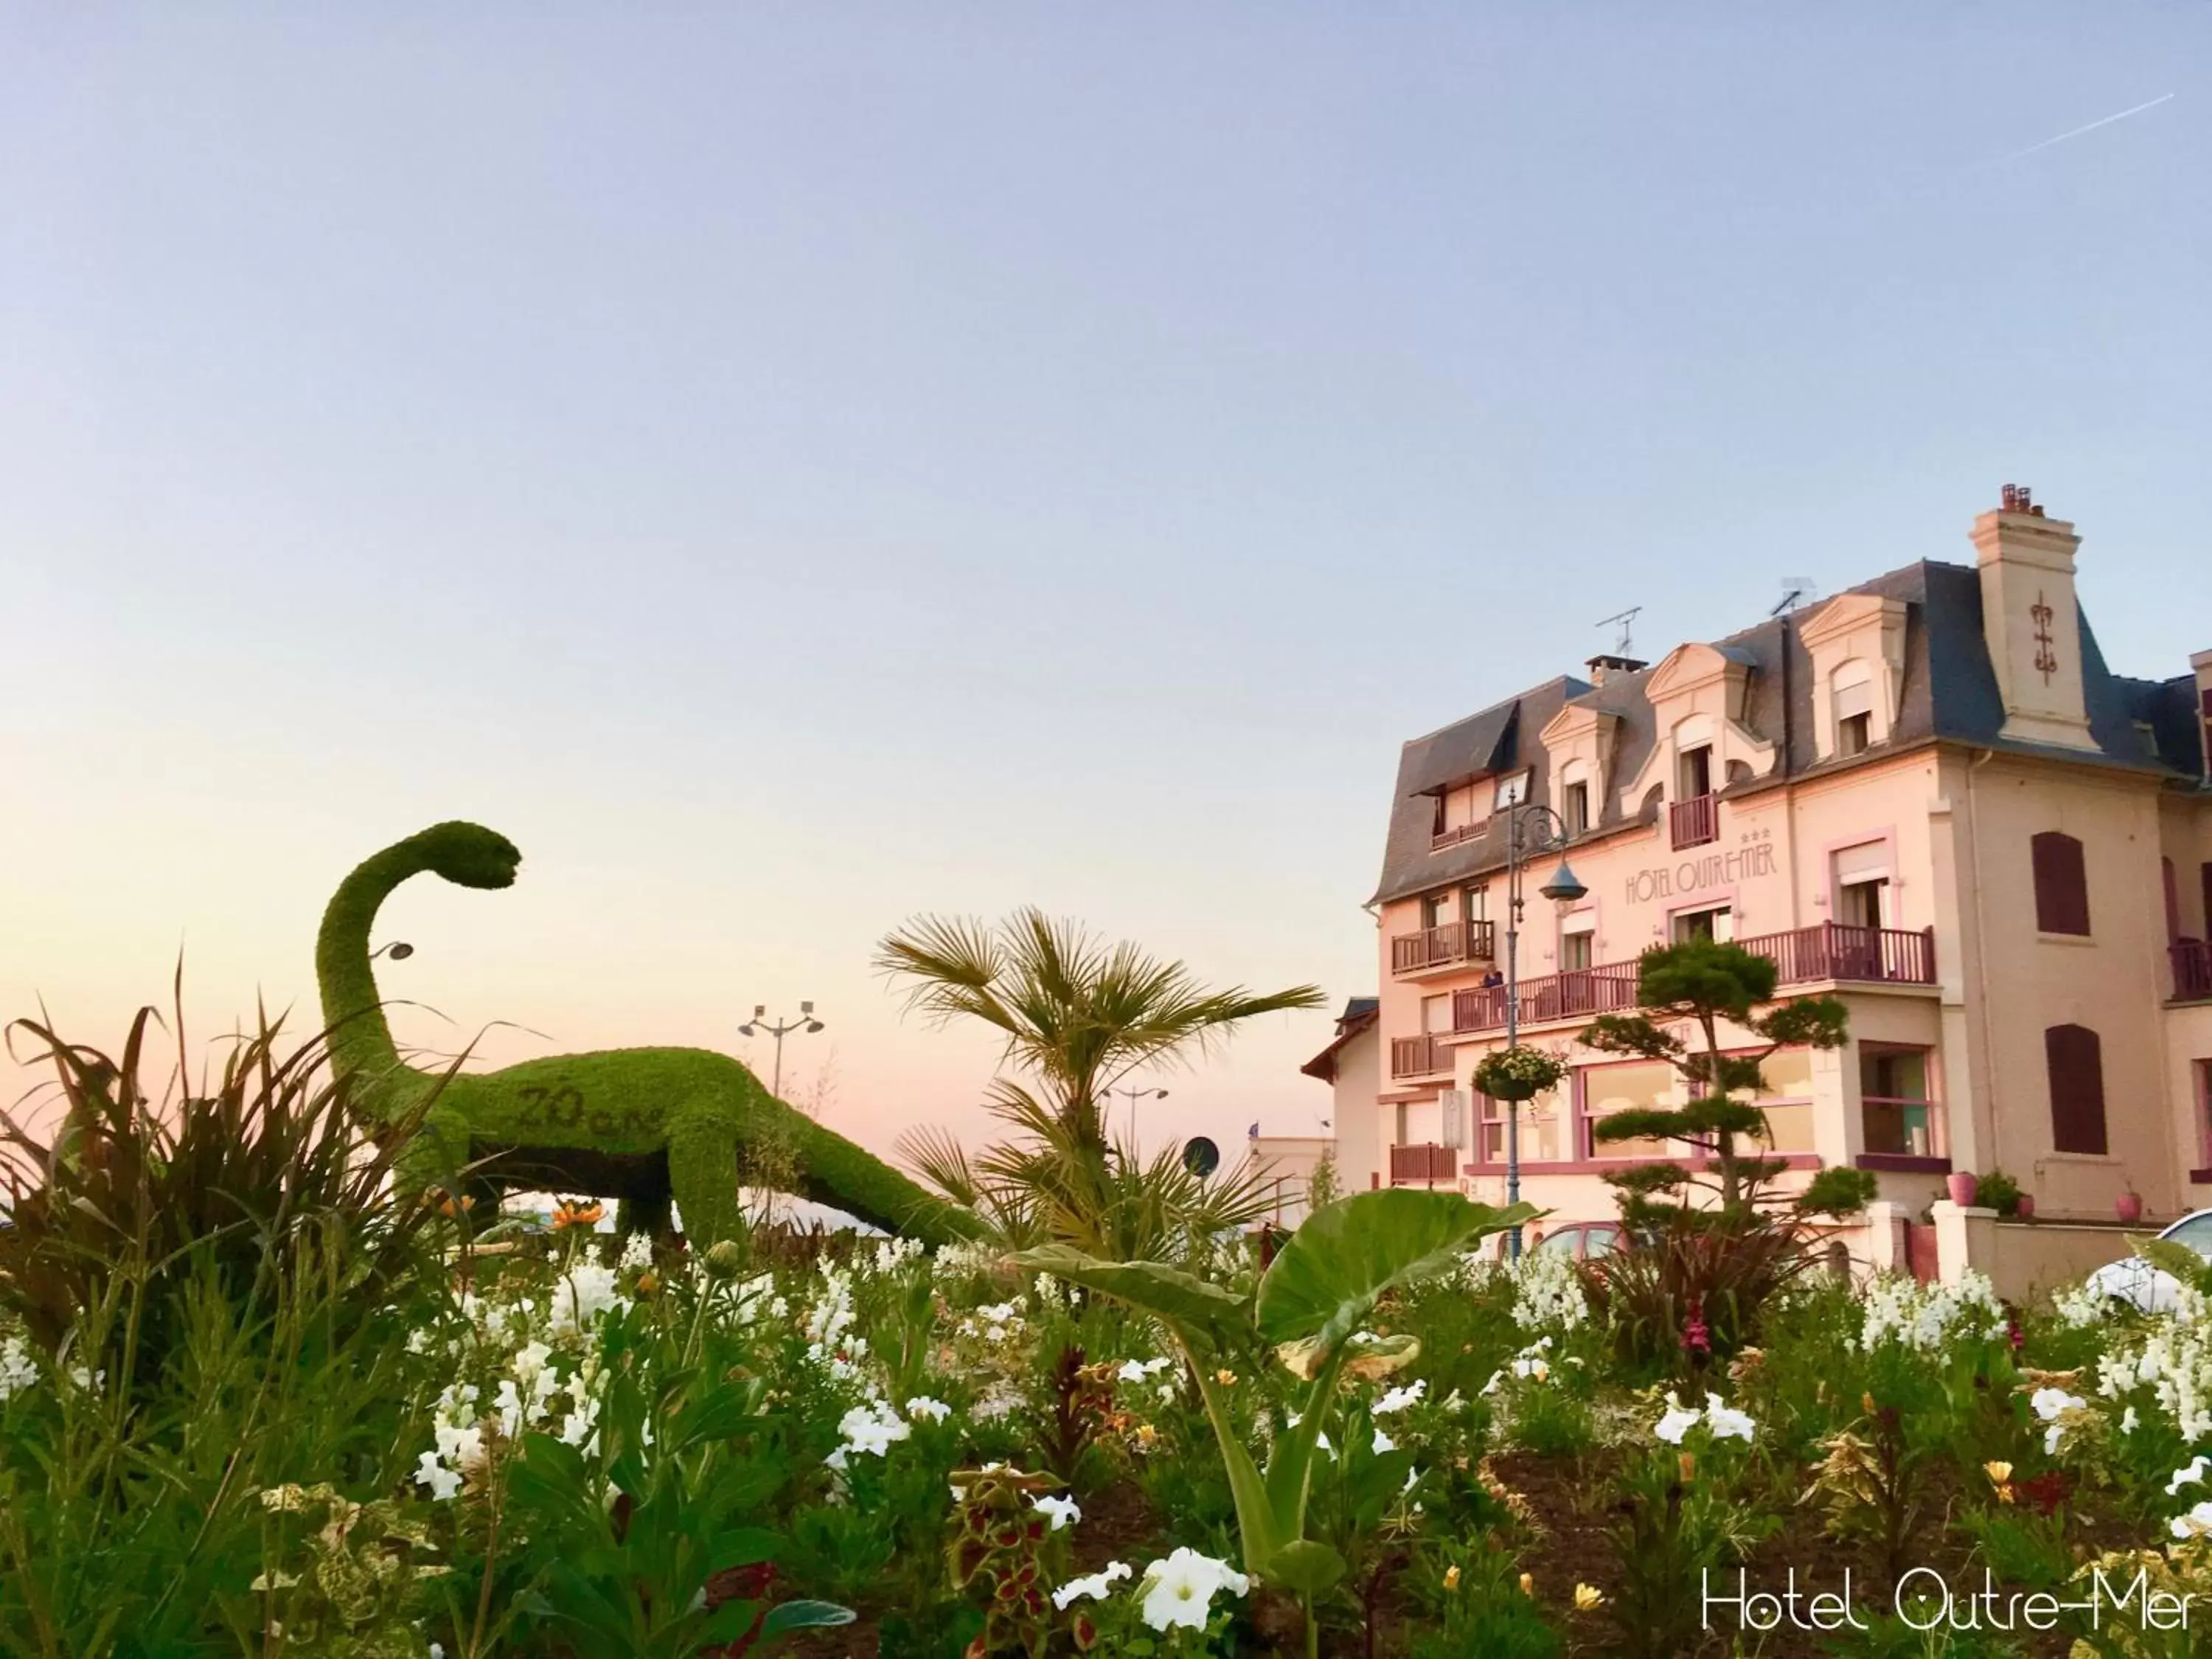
[
  {"x": 2062, "y": 885},
  {"x": 2075, "y": 1060},
  {"x": 2172, "y": 901}
]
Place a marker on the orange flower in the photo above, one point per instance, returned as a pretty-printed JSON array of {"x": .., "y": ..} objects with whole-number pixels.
[
  {"x": 582, "y": 1213},
  {"x": 446, "y": 1206}
]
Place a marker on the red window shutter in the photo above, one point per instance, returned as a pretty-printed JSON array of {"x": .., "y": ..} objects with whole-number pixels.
[
  {"x": 2204, "y": 876},
  {"x": 2062, "y": 884},
  {"x": 2073, "y": 1055},
  {"x": 2173, "y": 902}
]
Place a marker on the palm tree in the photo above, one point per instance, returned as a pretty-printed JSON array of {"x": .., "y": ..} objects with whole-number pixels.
[{"x": 1078, "y": 1014}]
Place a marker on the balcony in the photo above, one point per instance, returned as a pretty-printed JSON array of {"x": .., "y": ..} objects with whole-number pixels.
[
  {"x": 1458, "y": 833},
  {"x": 1829, "y": 951},
  {"x": 2192, "y": 970},
  {"x": 1419, "y": 1056},
  {"x": 1445, "y": 945},
  {"x": 1427, "y": 1163},
  {"x": 1695, "y": 822}
]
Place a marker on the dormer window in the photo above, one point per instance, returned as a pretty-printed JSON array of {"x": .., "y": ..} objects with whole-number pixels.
[
  {"x": 1851, "y": 689},
  {"x": 1512, "y": 790},
  {"x": 1696, "y": 773},
  {"x": 1574, "y": 807}
]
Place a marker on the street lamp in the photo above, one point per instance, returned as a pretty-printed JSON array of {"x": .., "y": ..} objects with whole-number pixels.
[
  {"x": 399, "y": 950},
  {"x": 806, "y": 1022},
  {"x": 1530, "y": 828},
  {"x": 1133, "y": 1096}
]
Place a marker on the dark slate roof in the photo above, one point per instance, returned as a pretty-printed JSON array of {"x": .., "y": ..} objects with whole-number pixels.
[{"x": 1949, "y": 694}]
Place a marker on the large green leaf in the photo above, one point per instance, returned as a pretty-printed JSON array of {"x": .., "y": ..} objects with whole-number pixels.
[
  {"x": 1193, "y": 1306},
  {"x": 1307, "y": 1567},
  {"x": 1327, "y": 1278}
]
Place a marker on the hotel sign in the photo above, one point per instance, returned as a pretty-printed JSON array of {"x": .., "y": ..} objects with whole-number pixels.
[{"x": 1695, "y": 875}]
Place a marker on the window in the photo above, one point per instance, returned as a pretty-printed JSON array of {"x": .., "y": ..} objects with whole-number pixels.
[
  {"x": 1893, "y": 1102},
  {"x": 1574, "y": 808},
  {"x": 1436, "y": 1013},
  {"x": 2202, "y": 1071},
  {"x": 1474, "y": 904},
  {"x": 1851, "y": 688},
  {"x": 1696, "y": 776},
  {"x": 1716, "y": 923},
  {"x": 1786, "y": 1098},
  {"x": 2062, "y": 885},
  {"x": 1434, "y": 908},
  {"x": 1576, "y": 948},
  {"x": 2172, "y": 901},
  {"x": 1860, "y": 876},
  {"x": 1543, "y": 1128},
  {"x": 2074, "y": 1059},
  {"x": 1610, "y": 1088},
  {"x": 1400, "y": 1140},
  {"x": 1512, "y": 790}
]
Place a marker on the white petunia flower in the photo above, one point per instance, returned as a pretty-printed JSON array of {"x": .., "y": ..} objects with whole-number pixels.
[
  {"x": 1096, "y": 1587},
  {"x": 1398, "y": 1399},
  {"x": 1677, "y": 1422},
  {"x": 1726, "y": 1421},
  {"x": 1179, "y": 1591},
  {"x": 2194, "y": 1524},
  {"x": 1060, "y": 1511}
]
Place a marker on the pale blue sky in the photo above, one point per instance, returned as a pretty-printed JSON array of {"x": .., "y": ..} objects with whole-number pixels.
[{"x": 790, "y": 466}]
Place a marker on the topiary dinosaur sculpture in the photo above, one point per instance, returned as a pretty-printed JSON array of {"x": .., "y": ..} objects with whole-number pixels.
[{"x": 642, "y": 1125}]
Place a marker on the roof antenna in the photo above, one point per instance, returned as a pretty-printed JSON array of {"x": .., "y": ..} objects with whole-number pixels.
[
  {"x": 1625, "y": 648},
  {"x": 1797, "y": 592}
]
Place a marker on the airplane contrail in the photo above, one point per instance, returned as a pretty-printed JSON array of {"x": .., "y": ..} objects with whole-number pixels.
[{"x": 2092, "y": 127}]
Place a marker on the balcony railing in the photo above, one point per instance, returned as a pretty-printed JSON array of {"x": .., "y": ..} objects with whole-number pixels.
[
  {"x": 1418, "y": 1056},
  {"x": 1424, "y": 1162},
  {"x": 1830, "y": 949},
  {"x": 1836, "y": 949},
  {"x": 1458, "y": 833},
  {"x": 1444, "y": 945},
  {"x": 1695, "y": 822},
  {"x": 2192, "y": 970}
]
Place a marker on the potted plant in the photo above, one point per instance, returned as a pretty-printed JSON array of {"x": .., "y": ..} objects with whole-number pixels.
[
  {"x": 1518, "y": 1073},
  {"x": 1961, "y": 1185},
  {"x": 2128, "y": 1206},
  {"x": 1998, "y": 1191}
]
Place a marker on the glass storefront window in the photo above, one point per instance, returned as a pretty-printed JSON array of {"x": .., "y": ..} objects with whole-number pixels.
[
  {"x": 1609, "y": 1089},
  {"x": 1787, "y": 1099}
]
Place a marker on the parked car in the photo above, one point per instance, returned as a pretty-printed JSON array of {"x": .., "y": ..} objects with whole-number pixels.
[
  {"x": 1582, "y": 1240},
  {"x": 2135, "y": 1281}
]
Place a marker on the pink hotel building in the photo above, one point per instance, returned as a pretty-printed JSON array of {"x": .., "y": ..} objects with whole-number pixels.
[{"x": 1928, "y": 796}]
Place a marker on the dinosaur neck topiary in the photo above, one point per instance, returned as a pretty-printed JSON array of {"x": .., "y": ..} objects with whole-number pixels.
[{"x": 644, "y": 1125}]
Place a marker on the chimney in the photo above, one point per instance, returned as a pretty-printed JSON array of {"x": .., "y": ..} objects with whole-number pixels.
[
  {"x": 2201, "y": 662},
  {"x": 1603, "y": 668},
  {"x": 2030, "y": 622}
]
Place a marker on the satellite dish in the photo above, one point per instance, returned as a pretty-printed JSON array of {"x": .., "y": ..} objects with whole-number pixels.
[{"x": 1201, "y": 1157}]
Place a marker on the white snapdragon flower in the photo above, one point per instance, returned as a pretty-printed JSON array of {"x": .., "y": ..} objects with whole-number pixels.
[
  {"x": 1384, "y": 1443},
  {"x": 872, "y": 1429},
  {"x": 2194, "y": 1524},
  {"x": 1134, "y": 1370},
  {"x": 583, "y": 1294},
  {"x": 2190, "y": 1476},
  {"x": 18, "y": 1369}
]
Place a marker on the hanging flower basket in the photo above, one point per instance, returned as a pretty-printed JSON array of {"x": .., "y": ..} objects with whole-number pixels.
[{"x": 1518, "y": 1073}]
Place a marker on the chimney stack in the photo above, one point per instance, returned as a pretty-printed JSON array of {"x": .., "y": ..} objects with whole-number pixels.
[
  {"x": 1603, "y": 668},
  {"x": 2030, "y": 622}
]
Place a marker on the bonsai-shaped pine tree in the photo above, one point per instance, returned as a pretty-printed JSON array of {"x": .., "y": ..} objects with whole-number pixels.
[{"x": 1706, "y": 983}]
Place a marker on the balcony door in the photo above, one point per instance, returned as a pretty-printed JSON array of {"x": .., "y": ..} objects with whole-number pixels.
[
  {"x": 1717, "y": 923},
  {"x": 1696, "y": 768}
]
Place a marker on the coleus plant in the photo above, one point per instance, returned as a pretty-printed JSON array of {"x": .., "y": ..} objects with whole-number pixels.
[{"x": 1307, "y": 1312}]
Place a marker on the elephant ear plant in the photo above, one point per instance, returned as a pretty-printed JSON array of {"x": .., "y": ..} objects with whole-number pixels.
[{"x": 1309, "y": 1305}]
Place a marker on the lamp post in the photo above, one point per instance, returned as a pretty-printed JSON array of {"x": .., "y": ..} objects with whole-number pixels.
[
  {"x": 779, "y": 1030},
  {"x": 1133, "y": 1096},
  {"x": 1529, "y": 828}
]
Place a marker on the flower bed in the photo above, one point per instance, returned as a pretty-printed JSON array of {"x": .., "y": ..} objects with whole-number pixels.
[{"x": 577, "y": 1447}]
